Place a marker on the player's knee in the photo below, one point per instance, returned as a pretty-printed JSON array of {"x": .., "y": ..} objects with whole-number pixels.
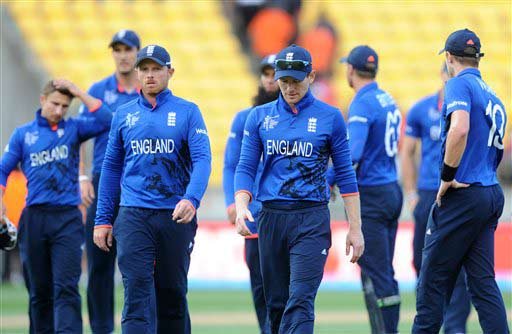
[{"x": 172, "y": 302}]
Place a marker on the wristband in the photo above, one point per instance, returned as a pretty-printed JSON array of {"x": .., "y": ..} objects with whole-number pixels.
[
  {"x": 448, "y": 173},
  {"x": 83, "y": 178}
]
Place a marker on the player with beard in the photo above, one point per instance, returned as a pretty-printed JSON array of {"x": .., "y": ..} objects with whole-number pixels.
[{"x": 268, "y": 91}]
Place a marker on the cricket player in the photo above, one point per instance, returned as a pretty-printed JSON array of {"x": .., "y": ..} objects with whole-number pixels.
[
  {"x": 157, "y": 164},
  {"x": 296, "y": 135},
  {"x": 115, "y": 90},
  {"x": 51, "y": 231},
  {"x": 374, "y": 127},
  {"x": 424, "y": 129},
  {"x": 462, "y": 222},
  {"x": 268, "y": 91}
]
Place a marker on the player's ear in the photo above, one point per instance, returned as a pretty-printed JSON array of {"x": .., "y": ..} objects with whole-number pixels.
[
  {"x": 42, "y": 99},
  {"x": 171, "y": 72},
  {"x": 311, "y": 76}
]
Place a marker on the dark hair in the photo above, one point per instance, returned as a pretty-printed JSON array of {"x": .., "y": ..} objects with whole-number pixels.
[
  {"x": 366, "y": 74},
  {"x": 49, "y": 88},
  {"x": 263, "y": 97},
  {"x": 467, "y": 61}
]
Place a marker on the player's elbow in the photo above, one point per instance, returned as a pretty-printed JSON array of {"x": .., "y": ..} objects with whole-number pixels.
[{"x": 459, "y": 131}]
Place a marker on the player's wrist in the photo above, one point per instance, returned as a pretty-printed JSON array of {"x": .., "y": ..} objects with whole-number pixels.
[
  {"x": 448, "y": 172},
  {"x": 83, "y": 177}
]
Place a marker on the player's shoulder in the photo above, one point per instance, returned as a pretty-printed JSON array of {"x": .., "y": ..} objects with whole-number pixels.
[
  {"x": 325, "y": 108},
  {"x": 183, "y": 103},
  {"x": 263, "y": 110},
  {"x": 424, "y": 103},
  {"x": 26, "y": 127},
  {"x": 127, "y": 107},
  {"x": 241, "y": 116},
  {"x": 103, "y": 84}
]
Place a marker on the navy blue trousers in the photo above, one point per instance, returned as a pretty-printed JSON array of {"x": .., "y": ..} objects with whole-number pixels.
[
  {"x": 252, "y": 258},
  {"x": 460, "y": 233},
  {"x": 459, "y": 307},
  {"x": 380, "y": 210},
  {"x": 294, "y": 243},
  {"x": 50, "y": 240},
  {"x": 101, "y": 269},
  {"x": 154, "y": 257}
]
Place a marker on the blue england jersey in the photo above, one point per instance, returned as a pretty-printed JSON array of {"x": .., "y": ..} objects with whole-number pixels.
[
  {"x": 484, "y": 149},
  {"x": 424, "y": 123},
  {"x": 374, "y": 128},
  {"x": 113, "y": 95},
  {"x": 156, "y": 156},
  {"x": 296, "y": 146},
  {"x": 231, "y": 158},
  {"x": 49, "y": 155}
]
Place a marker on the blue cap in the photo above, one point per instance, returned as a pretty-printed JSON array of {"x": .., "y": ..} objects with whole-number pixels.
[
  {"x": 463, "y": 43},
  {"x": 268, "y": 61},
  {"x": 362, "y": 58},
  {"x": 293, "y": 61},
  {"x": 126, "y": 37},
  {"x": 156, "y": 53}
]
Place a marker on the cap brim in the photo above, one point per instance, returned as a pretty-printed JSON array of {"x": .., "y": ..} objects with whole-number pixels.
[
  {"x": 344, "y": 60},
  {"x": 297, "y": 75},
  {"x": 441, "y": 51},
  {"x": 156, "y": 60},
  {"x": 122, "y": 41}
]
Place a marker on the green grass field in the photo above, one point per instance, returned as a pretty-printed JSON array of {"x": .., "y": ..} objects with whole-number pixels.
[{"x": 230, "y": 312}]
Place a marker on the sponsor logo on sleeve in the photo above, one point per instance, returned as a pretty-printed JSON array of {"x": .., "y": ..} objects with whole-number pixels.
[{"x": 457, "y": 103}]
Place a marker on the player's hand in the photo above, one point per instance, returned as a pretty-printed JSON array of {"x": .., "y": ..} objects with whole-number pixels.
[
  {"x": 66, "y": 84},
  {"x": 241, "y": 215},
  {"x": 87, "y": 192},
  {"x": 232, "y": 214},
  {"x": 184, "y": 212},
  {"x": 103, "y": 238},
  {"x": 356, "y": 241},
  {"x": 445, "y": 186},
  {"x": 412, "y": 200}
]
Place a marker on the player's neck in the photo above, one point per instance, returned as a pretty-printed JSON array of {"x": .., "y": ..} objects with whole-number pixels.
[
  {"x": 128, "y": 81},
  {"x": 360, "y": 83},
  {"x": 459, "y": 68}
]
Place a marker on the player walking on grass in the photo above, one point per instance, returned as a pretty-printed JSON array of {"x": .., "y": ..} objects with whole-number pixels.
[
  {"x": 50, "y": 228},
  {"x": 424, "y": 127},
  {"x": 374, "y": 126},
  {"x": 115, "y": 90},
  {"x": 462, "y": 222},
  {"x": 157, "y": 164},
  {"x": 295, "y": 135},
  {"x": 268, "y": 91}
]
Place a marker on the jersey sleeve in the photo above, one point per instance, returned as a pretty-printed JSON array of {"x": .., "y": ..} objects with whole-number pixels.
[
  {"x": 231, "y": 157},
  {"x": 13, "y": 154},
  {"x": 201, "y": 156},
  {"x": 344, "y": 174},
  {"x": 109, "y": 189},
  {"x": 249, "y": 155},
  {"x": 93, "y": 91},
  {"x": 457, "y": 95},
  {"x": 94, "y": 122},
  {"x": 413, "y": 122},
  {"x": 359, "y": 122}
]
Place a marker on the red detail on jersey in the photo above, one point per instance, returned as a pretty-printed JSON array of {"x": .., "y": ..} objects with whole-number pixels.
[
  {"x": 470, "y": 42},
  {"x": 371, "y": 59}
]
